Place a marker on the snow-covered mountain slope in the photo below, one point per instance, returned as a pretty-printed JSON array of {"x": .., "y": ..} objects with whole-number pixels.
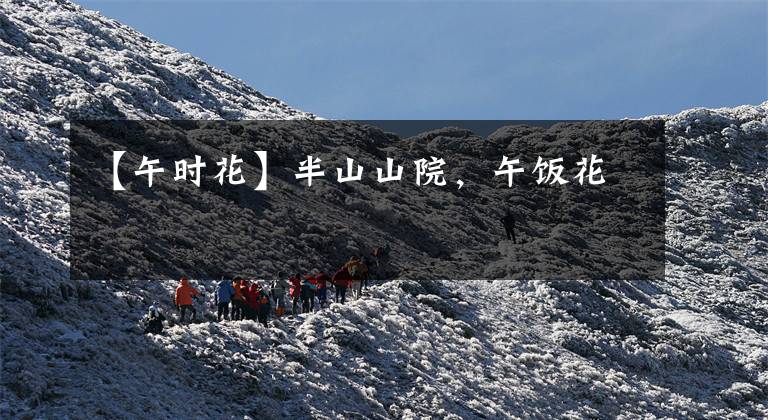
[
  {"x": 476, "y": 349},
  {"x": 59, "y": 61},
  {"x": 693, "y": 345}
]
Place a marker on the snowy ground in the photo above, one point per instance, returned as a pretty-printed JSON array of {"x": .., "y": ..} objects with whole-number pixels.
[
  {"x": 447, "y": 349},
  {"x": 693, "y": 345}
]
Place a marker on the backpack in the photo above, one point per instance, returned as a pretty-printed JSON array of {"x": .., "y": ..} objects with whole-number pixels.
[{"x": 353, "y": 267}]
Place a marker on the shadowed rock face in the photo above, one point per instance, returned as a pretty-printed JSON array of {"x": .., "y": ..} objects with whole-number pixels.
[
  {"x": 570, "y": 231},
  {"x": 692, "y": 344}
]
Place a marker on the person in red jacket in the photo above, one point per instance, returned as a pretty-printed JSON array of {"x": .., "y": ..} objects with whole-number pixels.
[
  {"x": 254, "y": 300},
  {"x": 243, "y": 288},
  {"x": 342, "y": 280},
  {"x": 183, "y": 298},
  {"x": 322, "y": 287},
  {"x": 295, "y": 293}
]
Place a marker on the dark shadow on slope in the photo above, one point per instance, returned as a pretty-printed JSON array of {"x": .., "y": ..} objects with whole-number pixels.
[
  {"x": 749, "y": 317},
  {"x": 29, "y": 273},
  {"x": 13, "y": 34},
  {"x": 600, "y": 309}
]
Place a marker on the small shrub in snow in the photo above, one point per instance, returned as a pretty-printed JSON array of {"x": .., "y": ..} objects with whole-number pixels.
[
  {"x": 762, "y": 380},
  {"x": 250, "y": 326},
  {"x": 574, "y": 343},
  {"x": 410, "y": 286},
  {"x": 26, "y": 385},
  {"x": 84, "y": 291},
  {"x": 739, "y": 393},
  {"x": 395, "y": 323},
  {"x": 466, "y": 330},
  {"x": 758, "y": 358},
  {"x": 44, "y": 309},
  {"x": 348, "y": 336},
  {"x": 437, "y": 303},
  {"x": 292, "y": 353},
  {"x": 754, "y": 128}
]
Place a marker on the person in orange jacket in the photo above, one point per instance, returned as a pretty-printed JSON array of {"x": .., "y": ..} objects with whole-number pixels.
[
  {"x": 238, "y": 300},
  {"x": 183, "y": 298}
]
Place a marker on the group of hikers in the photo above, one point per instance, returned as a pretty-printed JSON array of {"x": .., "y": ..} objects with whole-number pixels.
[{"x": 239, "y": 299}]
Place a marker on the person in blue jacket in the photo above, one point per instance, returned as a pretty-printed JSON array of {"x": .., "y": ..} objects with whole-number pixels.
[{"x": 223, "y": 295}]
